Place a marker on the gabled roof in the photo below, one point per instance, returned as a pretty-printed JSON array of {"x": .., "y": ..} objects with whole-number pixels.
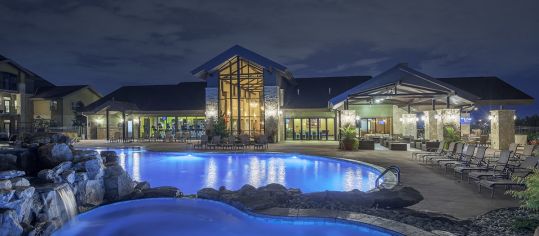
[
  {"x": 59, "y": 91},
  {"x": 40, "y": 82},
  {"x": 315, "y": 92},
  {"x": 402, "y": 83},
  {"x": 173, "y": 97},
  {"x": 490, "y": 89},
  {"x": 237, "y": 51}
]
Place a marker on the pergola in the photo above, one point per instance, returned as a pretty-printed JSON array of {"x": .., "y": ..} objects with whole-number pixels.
[
  {"x": 113, "y": 106},
  {"x": 405, "y": 88}
]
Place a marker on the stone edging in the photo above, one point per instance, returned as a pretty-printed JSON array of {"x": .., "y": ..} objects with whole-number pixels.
[{"x": 345, "y": 217}]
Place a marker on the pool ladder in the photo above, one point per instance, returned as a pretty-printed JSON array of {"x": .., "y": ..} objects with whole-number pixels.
[{"x": 393, "y": 169}]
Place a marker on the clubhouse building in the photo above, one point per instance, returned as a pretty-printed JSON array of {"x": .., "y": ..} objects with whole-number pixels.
[{"x": 255, "y": 95}]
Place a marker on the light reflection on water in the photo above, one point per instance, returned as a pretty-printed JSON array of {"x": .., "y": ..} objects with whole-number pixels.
[{"x": 191, "y": 172}]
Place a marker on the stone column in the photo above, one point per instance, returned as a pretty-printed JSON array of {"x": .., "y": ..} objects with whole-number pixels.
[
  {"x": 272, "y": 113},
  {"x": 348, "y": 118},
  {"x": 431, "y": 125},
  {"x": 397, "y": 115},
  {"x": 409, "y": 125},
  {"x": 445, "y": 118},
  {"x": 465, "y": 124},
  {"x": 502, "y": 128},
  {"x": 212, "y": 103}
]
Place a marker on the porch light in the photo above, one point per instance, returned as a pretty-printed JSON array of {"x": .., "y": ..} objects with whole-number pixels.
[
  {"x": 423, "y": 118},
  {"x": 99, "y": 120},
  {"x": 490, "y": 117}
]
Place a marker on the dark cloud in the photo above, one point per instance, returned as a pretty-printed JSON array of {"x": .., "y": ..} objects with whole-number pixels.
[{"x": 117, "y": 42}]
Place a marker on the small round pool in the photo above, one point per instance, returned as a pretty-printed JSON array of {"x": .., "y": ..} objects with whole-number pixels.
[
  {"x": 193, "y": 171},
  {"x": 163, "y": 216}
]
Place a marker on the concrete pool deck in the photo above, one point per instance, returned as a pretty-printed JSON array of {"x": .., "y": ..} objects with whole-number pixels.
[{"x": 443, "y": 193}]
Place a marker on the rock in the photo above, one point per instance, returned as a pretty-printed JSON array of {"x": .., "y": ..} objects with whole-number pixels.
[
  {"x": 9, "y": 222},
  {"x": 27, "y": 160},
  {"x": 50, "y": 155},
  {"x": 68, "y": 176},
  {"x": 91, "y": 192},
  {"x": 81, "y": 176},
  {"x": 62, "y": 167},
  {"x": 118, "y": 183},
  {"x": 208, "y": 193},
  {"x": 142, "y": 185},
  {"x": 8, "y": 174},
  {"x": 19, "y": 182},
  {"x": 5, "y": 185},
  {"x": 93, "y": 167},
  {"x": 396, "y": 198},
  {"x": 110, "y": 157},
  {"x": 8, "y": 162},
  {"x": 84, "y": 155},
  {"x": 442, "y": 233},
  {"x": 247, "y": 190},
  {"x": 24, "y": 192},
  {"x": 47, "y": 175},
  {"x": 165, "y": 191},
  {"x": 6, "y": 195},
  {"x": 60, "y": 138}
]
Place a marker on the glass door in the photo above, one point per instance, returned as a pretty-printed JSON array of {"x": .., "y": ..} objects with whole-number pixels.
[{"x": 314, "y": 129}]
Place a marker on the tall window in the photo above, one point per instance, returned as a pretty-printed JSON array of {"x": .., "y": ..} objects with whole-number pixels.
[{"x": 241, "y": 98}]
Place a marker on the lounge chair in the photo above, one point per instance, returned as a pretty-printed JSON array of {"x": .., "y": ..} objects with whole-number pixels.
[
  {"x": 203, "y": 142},
  {"x": 466, "y": 157},
  {"x": 215, "y": 142},
  {"x": 449, "y": 151},
  {"x": 438, "y": 150},
  {"x": 500, "y": 168},
  {"x": 262, "y": 142},
  {"x": 528, "y": 151},
  {"x": 477, "y": 162},
  {"x": 457, "y": 155},
  {"x": 229, "y": 142},
  {"x": 525, "y": 168},
  {"x": 244, "y": 142}
]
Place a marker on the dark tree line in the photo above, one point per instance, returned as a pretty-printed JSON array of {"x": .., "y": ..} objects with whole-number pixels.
[{"x": 532, "y": 121}]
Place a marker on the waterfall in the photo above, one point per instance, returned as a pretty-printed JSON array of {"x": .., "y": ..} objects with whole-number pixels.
[{"x": 68, "y": 202}]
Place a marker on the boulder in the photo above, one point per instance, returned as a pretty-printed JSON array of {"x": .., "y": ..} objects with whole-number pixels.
[
  {"x": 47, "y": 175},
  {"x": 9, "y": 174},
  {"x": 208, "y": 193},
  {"x": 19, "y": 182},
  {"x": 68, "y": 176},
  {"x": 28, "y": 160},
  {"x": 6, "y": 195},
  {"x": 396, "y": 198},
  {"x": 5, "y": 184},
  {"x": 60, "y": 138},
  {"x": 9, "y": 222},
  {"x": 8, "y": 162},
  {"x": 93, "y": 167},
  {"x": 84, "y": 155},
  {"x": 118, "y": 183},
  {"x": 50, "y": 155},
  {"x": 165, "y": 191},
  {"x": 24, "y": 192},
  {"x": 90, "y": 192},
  {"x": 110, "y": 157},
  {"x": 142, "y": 185},
  {"x": 62, "y": 167}
]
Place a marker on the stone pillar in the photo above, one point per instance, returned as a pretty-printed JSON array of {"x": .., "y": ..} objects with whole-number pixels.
[
  {"x": 445, "y": 118},
  {"x": 272, "y": 113},
  {"x": 465, "y": 124},
  {"x": 397, "y": 115},
  {"x": 431, "y": 125},
  {"x": 409, "y": 125},
  {"x": 212, "y": 103},
  {"x": 502, "y": 128},
  {"x": 23, "y": 103},
  {"x": 348, "y": 118}
]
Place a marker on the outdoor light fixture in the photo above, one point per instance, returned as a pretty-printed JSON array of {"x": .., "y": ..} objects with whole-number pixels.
[
  {"x": 99, "y": 120},
  {"x": 490, "y": 117},
  {"x": 423, "y": 118}
]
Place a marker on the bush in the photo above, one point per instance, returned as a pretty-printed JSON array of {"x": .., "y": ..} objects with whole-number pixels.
[
  {"x": 450, "y": 135},
  {"x": 529, "y": 196},
  {"x": 349, "y": 137}
]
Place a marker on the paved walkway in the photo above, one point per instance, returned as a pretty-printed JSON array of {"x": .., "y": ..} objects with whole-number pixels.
[{"x": 443, "y": 194}]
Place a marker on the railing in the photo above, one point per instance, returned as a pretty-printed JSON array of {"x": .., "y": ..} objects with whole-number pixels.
[{"x": 394, "y": 169}]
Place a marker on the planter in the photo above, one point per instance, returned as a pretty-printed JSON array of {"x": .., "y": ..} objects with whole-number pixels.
[{"x": 350, "y": 144}]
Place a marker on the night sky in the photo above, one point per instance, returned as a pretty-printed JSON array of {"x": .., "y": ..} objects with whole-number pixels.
[{"x": 107, "y": 44}]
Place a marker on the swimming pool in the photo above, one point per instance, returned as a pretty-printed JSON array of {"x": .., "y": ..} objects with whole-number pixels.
[
  {"x": 163, "y": 216},
  {"x": 193, "y": 171}
]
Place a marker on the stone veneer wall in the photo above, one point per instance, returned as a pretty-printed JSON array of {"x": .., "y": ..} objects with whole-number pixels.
[
  {"x": 271, "y": 109},
  {"x": 348, "y": 117},
  {"x": 397, "y": 124},
  {"x": 465, "y": 124},
  {"x": 212, "y": 103},
  {"x": 431, "y": 126},
  {"x": 409, "y": 125},
  {"x": 502, "y": 128},
  {"x": 447, "y": 117}
]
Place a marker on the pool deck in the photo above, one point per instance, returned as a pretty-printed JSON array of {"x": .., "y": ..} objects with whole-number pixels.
[{"x": 443, "y": 193}]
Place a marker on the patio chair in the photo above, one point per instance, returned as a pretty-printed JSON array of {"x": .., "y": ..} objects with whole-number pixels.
[
  {"x": 477, "y": 162},
  {"x": 528, "y": 151},
  {"x": 466, "y": 157},
  {"x": 500, "y": 168},
  {"x": 525, "y": 168},
  {"x": 229, "y": 142},
  {"x": 438, "y": 150},
  {"x": 215, "y": 142},
  {"x": 262, "y": 142},
  {"x": 448, "y": 151},
  {"x": 203, "y": 142}
]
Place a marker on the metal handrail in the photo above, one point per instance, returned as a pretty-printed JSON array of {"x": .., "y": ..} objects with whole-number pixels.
[{"x": 396, "y": 170}]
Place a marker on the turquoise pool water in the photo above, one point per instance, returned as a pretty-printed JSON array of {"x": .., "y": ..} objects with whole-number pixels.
[
  {"x": 193, "y": 171},
  {"x": 201, "y": 217}
]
